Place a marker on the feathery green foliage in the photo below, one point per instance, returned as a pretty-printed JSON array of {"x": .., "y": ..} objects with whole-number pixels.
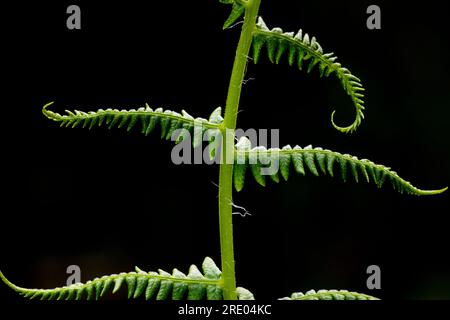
[
  {"x": 152, "y": 285},
  {"x": 300, "y": 48},
  {"x": 329, "y": 295},
  {"x": 169, "y": 121},
  {"x": 316, "y": 161},
  {"x": 237, "y": 10},
  {"x": 214, "y": 284}
]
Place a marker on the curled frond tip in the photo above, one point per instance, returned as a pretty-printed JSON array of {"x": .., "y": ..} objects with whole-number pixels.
[{"x": 305, "y": 52}]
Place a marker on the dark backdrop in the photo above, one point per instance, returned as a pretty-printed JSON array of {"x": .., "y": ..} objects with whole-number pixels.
[{"x": 107, "y": 200}]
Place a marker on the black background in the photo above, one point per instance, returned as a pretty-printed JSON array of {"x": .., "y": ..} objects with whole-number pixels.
[{"x": 108, "y": 200}]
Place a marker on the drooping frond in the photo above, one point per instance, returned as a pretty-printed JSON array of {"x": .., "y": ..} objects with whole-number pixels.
[
  {"x": 329, "y": 295},
  {"x": 237, "y": 10},
  {"x": 169, "y": 121},
  {"x": 159, "y": 285},
  {"x": 301, "y": 49},
  {"x": 316, "y": 161}
]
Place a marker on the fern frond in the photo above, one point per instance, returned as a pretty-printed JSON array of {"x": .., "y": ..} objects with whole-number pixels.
[
  {"x": 318, "y": 162},
  {"x": 329, "y": 295},
  {"x": 159, "y": 285},
  {"x": 300, "y": 48},
  {"x": 237, "y": 10},
  {"x": 148, "y": 118}
]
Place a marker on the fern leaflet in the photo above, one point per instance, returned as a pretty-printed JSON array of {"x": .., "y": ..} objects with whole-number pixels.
[
  {"x": 316, "y": 161},
  {"x": 237, "y": 10},
  {"x": 169, "y": 121},
  {"x": 159, "y": 285},
  {"x": 329, "y": 295},
  {"x": 299, "y": 48}
]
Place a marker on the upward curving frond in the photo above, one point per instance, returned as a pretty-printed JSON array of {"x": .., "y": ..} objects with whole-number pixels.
[
  {"x": 316, "y": 161},
  {"x": 169, "y": 121},
  {"x": 152, "y": 285},
  {"x": 301, "y": 49}
]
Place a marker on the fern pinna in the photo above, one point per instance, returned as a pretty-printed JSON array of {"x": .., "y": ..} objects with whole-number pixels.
[
  {"x": 214, "y": 284},
  {"x": 159, "y": 285},
  {"x": 301, "y": 49}
]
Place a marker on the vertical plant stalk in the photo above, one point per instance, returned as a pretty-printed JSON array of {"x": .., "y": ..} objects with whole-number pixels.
[{"x": 226, "y": 169}]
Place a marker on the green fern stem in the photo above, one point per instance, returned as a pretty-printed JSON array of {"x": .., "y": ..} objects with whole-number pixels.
[{"x": 226, "y": 169}]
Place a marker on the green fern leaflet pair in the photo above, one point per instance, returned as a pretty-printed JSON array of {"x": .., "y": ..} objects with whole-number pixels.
[{"x": 297, "y": 49}]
